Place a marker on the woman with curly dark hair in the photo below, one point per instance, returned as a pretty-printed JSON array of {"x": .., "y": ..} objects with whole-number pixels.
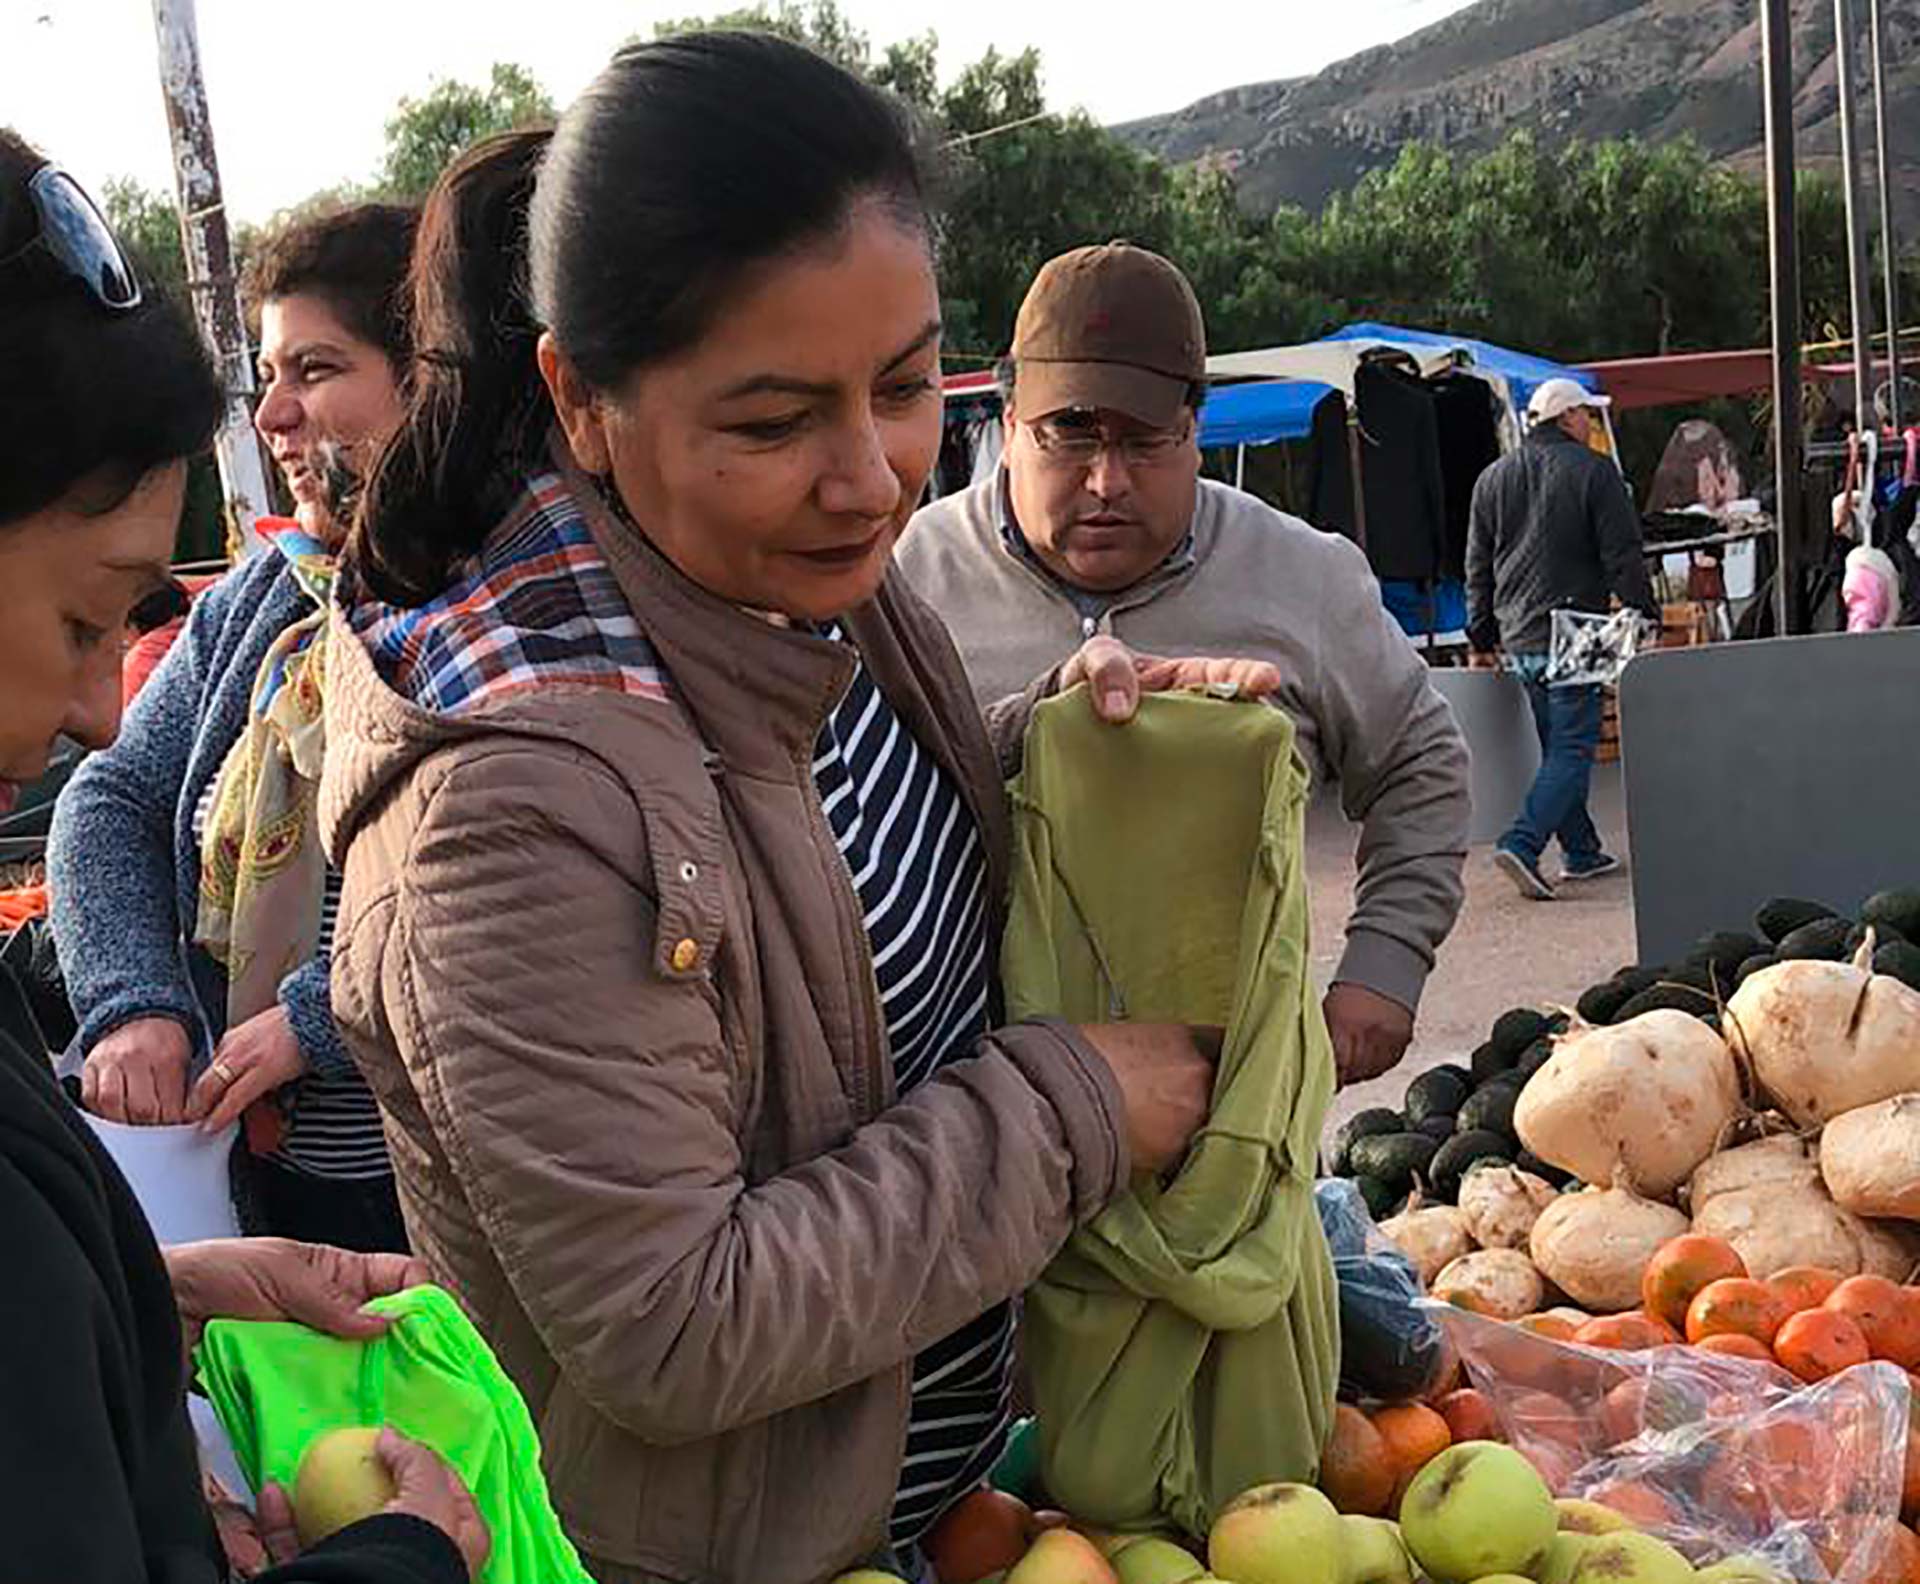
[{"x": 192, "y": 904}]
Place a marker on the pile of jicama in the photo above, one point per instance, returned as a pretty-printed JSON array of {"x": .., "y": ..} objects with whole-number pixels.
[{"x": 1791, "y": 1131}]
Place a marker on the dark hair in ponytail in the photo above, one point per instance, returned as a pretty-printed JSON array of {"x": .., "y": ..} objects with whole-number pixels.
[
  {"x": 478, "y": 410},
  {"x": 684, "y": 163}
]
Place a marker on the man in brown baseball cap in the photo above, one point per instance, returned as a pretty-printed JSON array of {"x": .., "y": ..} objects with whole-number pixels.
[{"x": 1098, "y": 522}]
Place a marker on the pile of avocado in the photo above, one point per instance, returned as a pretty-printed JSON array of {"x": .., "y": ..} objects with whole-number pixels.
[
  {"x": 1453, "y": 1118},
  {"x": 1786, "y": 929}
]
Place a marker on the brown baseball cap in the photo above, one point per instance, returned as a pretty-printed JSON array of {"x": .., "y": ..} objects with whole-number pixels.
[{"x": 1110, "y": 326}]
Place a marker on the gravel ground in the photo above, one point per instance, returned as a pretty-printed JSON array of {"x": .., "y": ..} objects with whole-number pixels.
[{"x": 1505, "y": 951}]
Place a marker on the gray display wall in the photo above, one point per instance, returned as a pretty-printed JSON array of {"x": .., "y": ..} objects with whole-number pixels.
[
  {"x": 1753, "y": 770},
  {"x": 1494, "y": 717}
]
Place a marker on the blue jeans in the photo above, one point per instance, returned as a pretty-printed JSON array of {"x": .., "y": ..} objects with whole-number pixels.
[{"x": 1568, "y": 721}]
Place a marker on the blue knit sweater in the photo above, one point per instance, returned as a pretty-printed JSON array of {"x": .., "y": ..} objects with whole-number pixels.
[{"x": 124, "y": 861}]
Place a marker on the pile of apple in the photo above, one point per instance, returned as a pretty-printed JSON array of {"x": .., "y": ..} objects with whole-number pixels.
[{"x": 1479, "y": 1513}]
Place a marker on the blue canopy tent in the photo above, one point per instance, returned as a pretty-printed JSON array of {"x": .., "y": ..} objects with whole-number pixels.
[
  {"x": 1265, "y": 396},
  {"x": 1277, "y": 392}
]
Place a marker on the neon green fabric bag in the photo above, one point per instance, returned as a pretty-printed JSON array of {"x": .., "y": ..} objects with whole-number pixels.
[
  {"x": 1185, "y": 1344},
  {"x": 276, "y": 1385}
]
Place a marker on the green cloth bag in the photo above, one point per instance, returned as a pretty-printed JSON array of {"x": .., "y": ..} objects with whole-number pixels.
[
  {"x": 1185, "y": 1344},
  {"x": 276, "y": 1386}
]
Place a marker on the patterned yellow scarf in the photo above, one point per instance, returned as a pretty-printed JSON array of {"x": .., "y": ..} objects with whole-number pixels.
[{"x": 262, "y": 870}]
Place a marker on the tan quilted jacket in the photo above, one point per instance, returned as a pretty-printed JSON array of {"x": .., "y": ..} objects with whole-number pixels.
[{"x": 602, "y": 964}]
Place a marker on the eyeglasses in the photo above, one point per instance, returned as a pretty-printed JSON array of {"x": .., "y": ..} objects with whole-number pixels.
[
  {"x": 1072, "y": 441},
  {"x": 73, "y": 232}
]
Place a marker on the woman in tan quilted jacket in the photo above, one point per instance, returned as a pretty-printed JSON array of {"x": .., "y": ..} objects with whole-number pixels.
[{"x": 675, "y": 850}]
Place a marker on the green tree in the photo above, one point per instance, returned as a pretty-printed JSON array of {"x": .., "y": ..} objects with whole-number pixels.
[
  {"x": 148, "y": 226},
  {"x": 425, "y": 134},
  {"x": 819, "y": 24}
]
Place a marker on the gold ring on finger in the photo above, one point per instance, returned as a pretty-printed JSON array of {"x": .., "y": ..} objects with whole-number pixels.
[{"x": 223, "y": 1072}]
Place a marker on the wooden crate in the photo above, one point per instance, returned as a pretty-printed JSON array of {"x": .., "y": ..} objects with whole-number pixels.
[
  {"x": 1687, "y": 623},
  {"x": 1608, "y": 751}
]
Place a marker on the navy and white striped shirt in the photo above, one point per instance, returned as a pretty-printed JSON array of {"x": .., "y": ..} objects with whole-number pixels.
[
  {"x": 334, "y": 1130},
  {"x": 915, "y": 856}
]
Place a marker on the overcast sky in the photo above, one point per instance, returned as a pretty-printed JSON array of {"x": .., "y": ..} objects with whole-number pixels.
[{"x": 300, "y": 91}]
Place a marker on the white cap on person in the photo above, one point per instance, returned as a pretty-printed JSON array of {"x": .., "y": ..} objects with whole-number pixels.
[{"x": 1554, "y": 397}]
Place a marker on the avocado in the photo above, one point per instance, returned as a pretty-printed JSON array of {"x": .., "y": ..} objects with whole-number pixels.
[
  {"x": 1364, "y": 1124},
  {"x": 1538, "y": 1054},
  {"x": 1491, "y": 1109},
  {"x": 1823, "y": 940},
  {"x": 1899, "y": 960},
  {"x": 1490, "y": 1061},
  {"x": 1514, "y": 1031},
  {"x": 1436, "y": 1093},
  {"x": 1662, "y": 997},
  {"x": 1381, "y": 1197},
  {"x": 1451, "y": 1161},
  {"x": 1439, "y": 1128},
  {"x": 1704, "y": 977},
  {"x": 1723, "y": 952},
  {"x": 1898, "y": 910},
  {"x": 1780, "y": 917},
  {"x": 1603, "y": 1002},
  {"x": 1752, "y": 966},
  {"x": 1394, "y": 1157},
  {"x": 1546, "y": 1171},
  {"x": 1883, "y": 935}
]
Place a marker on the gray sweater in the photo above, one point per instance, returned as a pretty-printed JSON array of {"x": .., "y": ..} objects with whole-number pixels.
[
  {"x": 1252, "y": 582},
  {"x": 124, "y": 862}
]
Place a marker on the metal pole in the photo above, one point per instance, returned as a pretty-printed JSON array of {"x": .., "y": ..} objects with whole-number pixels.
[
  {"x": 210, "y": 269},
  {"x": 1353, "y": 462},
  {"x": 1776, "y": 55},
  {"x": 1889, "y": 235},
  {"x": 1240, "y": 469},
  {"x": 1846, "y": 41}
]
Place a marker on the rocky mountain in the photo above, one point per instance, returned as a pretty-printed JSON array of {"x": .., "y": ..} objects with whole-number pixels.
[{"x": 1563, "y": 68}]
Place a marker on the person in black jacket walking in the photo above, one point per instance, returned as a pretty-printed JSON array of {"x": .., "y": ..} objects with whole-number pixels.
[
  {"x": 104, "y": 395},
  {"x": 1552, "y": 528}
]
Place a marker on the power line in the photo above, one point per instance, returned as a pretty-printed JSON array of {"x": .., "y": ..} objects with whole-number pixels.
[{"x": 994, "y": 131}]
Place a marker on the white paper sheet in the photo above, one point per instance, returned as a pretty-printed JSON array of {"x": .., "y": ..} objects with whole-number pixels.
[{"x": 178, "y": 1174}]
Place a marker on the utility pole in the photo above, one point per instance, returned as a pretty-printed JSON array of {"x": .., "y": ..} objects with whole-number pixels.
[
  {"x": 1776, "y": 55},
  {"x": 1846, "y": 43},
  {"x": 1889, "y": 233},
  {"x": 210, "y": 270}
]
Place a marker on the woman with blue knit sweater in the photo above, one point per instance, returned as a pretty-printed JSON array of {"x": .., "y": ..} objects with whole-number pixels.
[{"x": 193, "y": 904}]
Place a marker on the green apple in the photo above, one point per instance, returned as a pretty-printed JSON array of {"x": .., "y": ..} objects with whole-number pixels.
[
  {"x": 1151, "y": 1560},
  {"x": 1278, "y": 1534},
  {"x": 1589, "y": 1517},
  {"x": 1632, "y": 1558},
  {"x": 1375, "y": 1552},
  {"x": 1742, "y": 1570},
  {"x": 340, "y": 1481},
  {"x": 1563, "y": 1556},
  {"x": 1476, "y": 1510}
]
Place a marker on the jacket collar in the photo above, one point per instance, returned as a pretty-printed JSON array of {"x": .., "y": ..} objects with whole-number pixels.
[
  {"x": 756, "y": 691},
  {"x": 1551, "y": 434}
]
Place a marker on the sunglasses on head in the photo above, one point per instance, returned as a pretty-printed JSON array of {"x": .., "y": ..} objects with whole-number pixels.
[{"x": 76, "y": 236}]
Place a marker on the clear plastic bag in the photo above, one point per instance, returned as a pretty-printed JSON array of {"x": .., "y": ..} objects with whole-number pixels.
[
  {"x": 1718, "y": 1456},
  {"x": 1392, "y": 1347},
  {"x": 1586, "y": 650}
]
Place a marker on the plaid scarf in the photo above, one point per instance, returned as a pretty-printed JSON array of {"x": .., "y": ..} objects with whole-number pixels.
[{"x": 538, "y": 607}]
